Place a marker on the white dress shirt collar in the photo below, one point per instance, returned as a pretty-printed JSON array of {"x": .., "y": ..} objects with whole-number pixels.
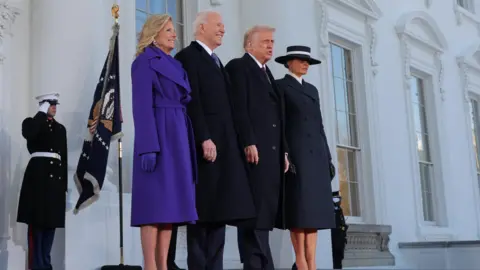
[
  {"x": 299, "y": 79},
  {"x": 209, "y": 51},
  {"x": 258, "y": 62}
]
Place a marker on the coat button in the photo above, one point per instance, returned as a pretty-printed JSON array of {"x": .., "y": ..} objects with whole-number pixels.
[
  {"x": 51, "y": 162},
  {"x": 274, "y": 148},
  {"x": 51, "y": 176},
  {"x": 274, "y": 125},
  {"x": 59, "y": 177},
  {"x": 51, "y": 149},
  {"x": 311, "y": 151}
]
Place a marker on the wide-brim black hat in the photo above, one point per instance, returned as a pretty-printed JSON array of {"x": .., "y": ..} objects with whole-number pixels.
[{"x": 297, "y": 52}]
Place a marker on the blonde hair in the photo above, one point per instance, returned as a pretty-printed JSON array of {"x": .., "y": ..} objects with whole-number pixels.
[
  {"x": 150, "y": 29},
  {"x": 248, "y": 36}
]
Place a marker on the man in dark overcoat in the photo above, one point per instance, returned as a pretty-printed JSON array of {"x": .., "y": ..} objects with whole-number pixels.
[
  {"x": 43, "y": 193},
  {"x": 223, "y": 193},
  {"x": 259, "y": 115}
]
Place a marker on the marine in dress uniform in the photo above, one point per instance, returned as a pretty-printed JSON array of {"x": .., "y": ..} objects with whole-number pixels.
[
  {"x": 308, "y": 194},
  {"x": 43, "y": 194},
  {"x": 223, "y": 194}
]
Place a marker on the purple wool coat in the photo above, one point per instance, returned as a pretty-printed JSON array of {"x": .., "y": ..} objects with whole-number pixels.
[{"x": 160, "y": 92}]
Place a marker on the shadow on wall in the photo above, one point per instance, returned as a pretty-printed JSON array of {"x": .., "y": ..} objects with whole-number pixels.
[{"x": 10, "y": 183}]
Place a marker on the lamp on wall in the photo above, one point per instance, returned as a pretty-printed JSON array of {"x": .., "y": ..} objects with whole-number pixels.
[{"x": 8, "y": 14}]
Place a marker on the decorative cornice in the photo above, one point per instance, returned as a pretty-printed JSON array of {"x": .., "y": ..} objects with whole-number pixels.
[
  {"x": 403, "y": 28},
  {"x": 406, "y": 56},
  {"x": 366, "y": 7},
  {"x": 323, "y": 33},
  {"x": 469, "y": 66},
  {"x": 437, "y": 46},
  {"x": 373, "y": 46},
  {"x": 428, "y": 3},
  {"x": 461, "y": 14},
  {"x": 8, "y": 14},
  {"x": 440, "y": 73}
]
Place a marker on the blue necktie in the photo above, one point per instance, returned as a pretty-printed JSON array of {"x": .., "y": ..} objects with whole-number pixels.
[{"x": 217, "y": 61}]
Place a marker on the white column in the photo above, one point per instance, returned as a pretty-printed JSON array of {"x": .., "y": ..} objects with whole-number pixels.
[
  {"x": 296, "y": 23},
  {"x": 70, "y": 41}
]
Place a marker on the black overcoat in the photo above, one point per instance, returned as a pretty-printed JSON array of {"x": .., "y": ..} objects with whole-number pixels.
[
  {"x": 223, "y": 192},
  {"x": 308, "y": 192},
  {"x": 259, "y": 115},
  {"x": 43, "y": 193}
]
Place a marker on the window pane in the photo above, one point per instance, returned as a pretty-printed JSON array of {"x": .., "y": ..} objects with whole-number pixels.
[
  {"x": 353, "y": 181},
  {"x": 414, "y": 89},
  {"x": 416, "y": 118},
  {"x": 427, "y": 191},
  {"x": 157, "y": 6},
  {"x": 347, "y": 173},
  {"x": 340, "y": 94},
  {"x": 474, "y": 125},
  {"x": 343, "y": 180},
  {"x": 141, "y": 4},
  {"x": 179, "y": 11},
  {"x": 342, "y": 128},
  {"x": 350, "y": 98},
  {"x": 337, "y": 60},
  {"x": 173, "y": 10},
  {"x": 352, "y": 130},
  {"x": 140, "y": 18},
  {"x": 348, "y": 65}
]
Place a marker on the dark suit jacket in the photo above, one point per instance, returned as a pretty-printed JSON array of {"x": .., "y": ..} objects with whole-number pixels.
[
  {"x": 223, "y": 191},
  {"x": 259, "y": 115}
]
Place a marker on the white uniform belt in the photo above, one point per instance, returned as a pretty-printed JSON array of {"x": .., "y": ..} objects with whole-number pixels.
[{"x": 46, "y": 154}]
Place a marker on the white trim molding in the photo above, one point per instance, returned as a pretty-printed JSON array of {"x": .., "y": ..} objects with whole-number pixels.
[
  {"x": 8, "y": 15},
  {"x": 469, "y": 63},
  {"x": 462, "y": 15},
  {"x": 359, "y": 37},
  {"x": 367, "y": 8},
  {"x": 429, "y": 35},
  {"x": 421, "y": 46}
]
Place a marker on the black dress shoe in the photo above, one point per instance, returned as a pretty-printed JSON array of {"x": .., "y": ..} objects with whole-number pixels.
[
  {"x": 174, "y": 266},
  {"x": 294, "y": 266}
]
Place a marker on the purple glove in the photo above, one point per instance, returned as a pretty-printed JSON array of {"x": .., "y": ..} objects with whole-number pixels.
[{"x": 149, "y": 160}]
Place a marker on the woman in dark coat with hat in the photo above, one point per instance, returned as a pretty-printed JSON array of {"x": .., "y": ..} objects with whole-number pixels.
[{"x": 308, "y": 197}]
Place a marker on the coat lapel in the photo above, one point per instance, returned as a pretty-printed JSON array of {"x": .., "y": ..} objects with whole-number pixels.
[
  {"x": 303, "y": 88},
  {"x": 168, "y": 69},
  {"x": 208, "y": 58},
  {"x": 260, "y": 74}
]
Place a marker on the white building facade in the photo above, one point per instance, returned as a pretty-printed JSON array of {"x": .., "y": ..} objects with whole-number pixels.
[{"x": 399, "y": 86}]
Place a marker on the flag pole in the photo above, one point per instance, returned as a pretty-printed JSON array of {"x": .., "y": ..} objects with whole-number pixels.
[{"x": 115, "y": 10}]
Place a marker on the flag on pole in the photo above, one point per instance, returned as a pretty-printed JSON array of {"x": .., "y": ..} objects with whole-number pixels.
[{"x": 104, "y": 126}]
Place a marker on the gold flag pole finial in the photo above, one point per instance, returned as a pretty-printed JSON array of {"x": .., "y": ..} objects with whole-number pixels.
[{"x": 115, "y": 10}]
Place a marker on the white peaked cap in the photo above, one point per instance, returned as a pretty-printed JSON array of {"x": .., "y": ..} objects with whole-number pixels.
[{"x": 49, "y": 96}]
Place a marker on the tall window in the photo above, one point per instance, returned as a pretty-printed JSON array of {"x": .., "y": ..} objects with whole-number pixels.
[
  {"x": 425, "y": 163},
  {"x": 174, "y": 8},
  {"x": 467, "y": 4},
  {"x": 474, "y": 113},
  {"x": 348, "y": 149}
]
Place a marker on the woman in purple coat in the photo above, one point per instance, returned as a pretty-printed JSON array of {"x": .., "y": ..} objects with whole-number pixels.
[{"x": 164, "y": 172}]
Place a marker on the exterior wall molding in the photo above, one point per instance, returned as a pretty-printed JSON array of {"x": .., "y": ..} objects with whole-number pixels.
[
  {"x": 368, "y": 246},
  {"x": 422, "y": 45},
  {"x": 462, "y": 15},
  {"x": 8, "y": 15},
  {"x": 367, "y": 8},
  {"x": 436, "y": 45},
  {"x": 469, "y": 64}
]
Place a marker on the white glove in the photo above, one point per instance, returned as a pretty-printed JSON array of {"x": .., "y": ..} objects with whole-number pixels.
[{"x": 44, "y": 107}]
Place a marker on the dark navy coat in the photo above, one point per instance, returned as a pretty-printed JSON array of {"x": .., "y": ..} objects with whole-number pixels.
[{"x": 308, "y": 192}]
